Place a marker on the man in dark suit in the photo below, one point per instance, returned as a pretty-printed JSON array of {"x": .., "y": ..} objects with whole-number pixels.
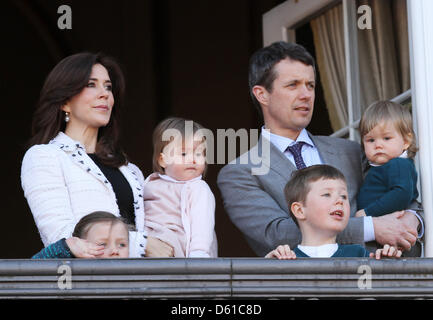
[{"x": 282, "y": 81}]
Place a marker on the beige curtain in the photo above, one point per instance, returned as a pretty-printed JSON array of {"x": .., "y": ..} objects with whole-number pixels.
[
  {"x": 399, "y": 11},
  {"x": 329, "y": 44},
  {"x": 383, "y": 53},
  {"x": 378, "y": 62}
]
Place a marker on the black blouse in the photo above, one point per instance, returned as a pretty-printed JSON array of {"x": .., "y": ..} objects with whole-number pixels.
[{"x": 121, "y": 188}]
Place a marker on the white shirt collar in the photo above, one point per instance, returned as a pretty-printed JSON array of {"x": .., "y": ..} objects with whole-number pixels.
[
  {"x": 323, "y": 251},
  {"x": 403, "y": 155},
  {"x": 283, "y": 142}
]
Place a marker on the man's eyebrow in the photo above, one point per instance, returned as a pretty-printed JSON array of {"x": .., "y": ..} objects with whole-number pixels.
[
  {"x": 289, "y": 81},
  {"x": 296, "y": 80}
]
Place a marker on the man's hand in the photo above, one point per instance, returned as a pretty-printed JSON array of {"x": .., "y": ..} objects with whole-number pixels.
[
  {"x": 158, "y": 249},
  {"x": 396, "y": 229},
  {"x": 410, "y": 220}
]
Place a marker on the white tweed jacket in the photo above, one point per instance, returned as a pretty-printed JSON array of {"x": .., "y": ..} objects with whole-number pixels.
[{"x": 62, "y": 184}]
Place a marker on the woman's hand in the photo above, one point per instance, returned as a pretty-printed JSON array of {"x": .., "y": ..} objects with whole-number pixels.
[
  {"x": 282, "y": 252},
  {"x": 156, "y": 248},
  {"x": 81, "y": 248}
]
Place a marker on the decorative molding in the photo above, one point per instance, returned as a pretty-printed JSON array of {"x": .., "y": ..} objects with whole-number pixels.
[{"x": 278, "y": 21}]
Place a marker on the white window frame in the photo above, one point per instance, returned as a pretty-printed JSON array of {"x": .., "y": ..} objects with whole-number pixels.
[
  {"x": 421, "y": 70},
  {"x": 279, "y": 24}
]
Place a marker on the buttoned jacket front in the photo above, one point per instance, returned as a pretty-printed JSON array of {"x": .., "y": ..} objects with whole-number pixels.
[{"x": 62, "y": 184}]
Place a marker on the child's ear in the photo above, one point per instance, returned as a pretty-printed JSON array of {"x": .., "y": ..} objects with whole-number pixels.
[
  {"x": 298, "y": 210},
  {"x": 407, "y": 141},
  {"x": 161, "y": 161}
]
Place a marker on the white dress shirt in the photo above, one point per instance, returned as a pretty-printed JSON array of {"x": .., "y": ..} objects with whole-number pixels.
[{"x": 309, "y": 152}]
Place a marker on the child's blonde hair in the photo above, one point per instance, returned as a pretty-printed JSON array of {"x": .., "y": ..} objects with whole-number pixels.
[
  {"x": 392, "y": 112},
  {"x": 159, "y": 144}
]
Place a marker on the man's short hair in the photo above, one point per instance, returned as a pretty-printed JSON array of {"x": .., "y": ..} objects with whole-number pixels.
[
  {"x": 262, "y": 62},
  {"x": 298, "y": 187}
]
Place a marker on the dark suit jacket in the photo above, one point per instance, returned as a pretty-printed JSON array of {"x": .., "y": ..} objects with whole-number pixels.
[{"x": 256, "y": 203}]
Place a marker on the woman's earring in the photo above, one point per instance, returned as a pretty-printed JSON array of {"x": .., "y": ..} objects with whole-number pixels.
[{"x": 67, "y": 117}]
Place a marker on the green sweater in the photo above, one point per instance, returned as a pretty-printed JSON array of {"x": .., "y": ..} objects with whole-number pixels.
[
  {"x": 388, "y": 188},
  {"x": 55, "y": 250}
]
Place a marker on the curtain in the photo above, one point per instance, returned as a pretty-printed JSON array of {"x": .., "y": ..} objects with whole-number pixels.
[
  {"x": 399, "y": 11},
  {"x": 377, "y": 55},
  {"x": 329, "y": 44},
  {"x": 383, "y": 53}
]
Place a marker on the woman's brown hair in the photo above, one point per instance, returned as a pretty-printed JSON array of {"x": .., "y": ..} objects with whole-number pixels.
[{"x": 67, "y": 79}]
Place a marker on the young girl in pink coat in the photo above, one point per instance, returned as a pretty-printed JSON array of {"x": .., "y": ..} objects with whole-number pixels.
[{"x": 179, "y": 206}]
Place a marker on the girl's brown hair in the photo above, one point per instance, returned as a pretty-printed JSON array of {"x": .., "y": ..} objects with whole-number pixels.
[
  {"x": 159, "y": 144},
  {"x": 86, "y": 222},
  {"x": 67, "y": 79},
  {"x": 392, "y": 112}
]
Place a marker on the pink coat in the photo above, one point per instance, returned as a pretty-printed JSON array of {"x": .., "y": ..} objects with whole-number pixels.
[{"x": 181, "y": 213}]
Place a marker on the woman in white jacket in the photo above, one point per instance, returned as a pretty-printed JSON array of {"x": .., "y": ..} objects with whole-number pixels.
[{"x": 75, "y": 165}]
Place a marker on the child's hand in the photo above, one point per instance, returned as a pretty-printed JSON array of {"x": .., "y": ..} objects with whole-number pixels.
[
  {"x": 360, "y": 213},
  {"x": 157, "y": 248},
  {"x": 81, "y": 248},
  {"x": 282, "y": 252},
  {"x": 387, "y": 251}
]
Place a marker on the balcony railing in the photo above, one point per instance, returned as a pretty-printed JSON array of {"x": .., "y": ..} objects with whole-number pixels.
[{"x": 226, "y": 278}]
